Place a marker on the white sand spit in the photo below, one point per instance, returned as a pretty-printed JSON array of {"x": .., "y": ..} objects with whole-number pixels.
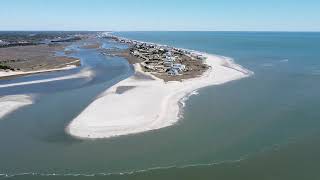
[
  {"x": 15, "y": 73},
  {"x": 150, "y": 105},
  {"x": 85, "y": 73},
  {"x": 8, "y": 104}
]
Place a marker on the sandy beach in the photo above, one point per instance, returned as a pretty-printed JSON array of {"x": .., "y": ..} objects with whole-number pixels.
[
  {"x": 85, "y": 73},
  {"x": 11, "y": 103},
  {"x": 4, "y": 74},
  {"x": 8, "y": 104},
  {"x": 145, "y": 102}
]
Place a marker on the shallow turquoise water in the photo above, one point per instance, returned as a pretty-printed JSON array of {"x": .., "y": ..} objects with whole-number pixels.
[{"x": 262, "y": 127}]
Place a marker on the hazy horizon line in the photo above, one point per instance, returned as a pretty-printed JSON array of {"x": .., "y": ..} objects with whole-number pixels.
[{"x": 316, "y": 31}]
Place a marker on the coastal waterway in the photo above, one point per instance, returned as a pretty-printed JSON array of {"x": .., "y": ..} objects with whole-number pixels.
[{"x": 262, "y": 127}]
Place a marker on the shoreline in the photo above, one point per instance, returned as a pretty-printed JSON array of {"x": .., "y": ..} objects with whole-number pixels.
[
  {"x": 151, "y": 104},
  {"x": 11, "y": 103},
  {"x": 10, "y": 74},
  {"x": 84, "y": 73},
  {"x": 165, "y": 62}
]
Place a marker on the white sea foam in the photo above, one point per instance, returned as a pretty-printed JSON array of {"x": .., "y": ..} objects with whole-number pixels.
[
  {"x": 284, "y": 60},
  {"x": 267, "y": 65},
  {"x": 184, "y": 99},
  {"x": 124, "y": 173}
]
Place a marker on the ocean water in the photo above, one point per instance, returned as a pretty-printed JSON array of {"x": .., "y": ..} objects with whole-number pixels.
[{"x": 262, "y": 127}]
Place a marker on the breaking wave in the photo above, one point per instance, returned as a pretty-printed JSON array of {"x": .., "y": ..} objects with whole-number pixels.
[
  {"x": 7, "y": 175},
  {"x": 274, "y": 147}
]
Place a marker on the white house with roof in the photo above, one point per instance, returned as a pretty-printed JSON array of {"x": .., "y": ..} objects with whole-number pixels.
[
  {"x": 179, "y": 67},
  {"x": 170, "y": 59}
]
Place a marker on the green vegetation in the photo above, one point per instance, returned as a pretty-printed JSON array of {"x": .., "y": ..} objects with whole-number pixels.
[
  {"x": 27, "y": 38},
  {"x": 5, "y": 67}
]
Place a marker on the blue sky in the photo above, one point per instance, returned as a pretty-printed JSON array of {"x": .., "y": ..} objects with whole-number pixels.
[{"x": 135, "y": 15}]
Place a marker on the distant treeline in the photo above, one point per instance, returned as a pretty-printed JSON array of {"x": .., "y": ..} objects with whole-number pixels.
[
  {"x": 16, "y": 36},
  {"x": 17, "y": 44},
  {"x": 67, "y": 40},
  {"x": 5, "y": 67},
  {"x": 26, "y": 38}
]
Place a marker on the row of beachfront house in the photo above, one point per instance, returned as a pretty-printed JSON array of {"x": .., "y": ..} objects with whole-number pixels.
[
  {"x": 155, "y": 62},
  {"x": 166, "y": 62}
]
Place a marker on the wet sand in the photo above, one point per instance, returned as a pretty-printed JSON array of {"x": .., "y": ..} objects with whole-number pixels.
[{"x": 123, "y": 89}]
